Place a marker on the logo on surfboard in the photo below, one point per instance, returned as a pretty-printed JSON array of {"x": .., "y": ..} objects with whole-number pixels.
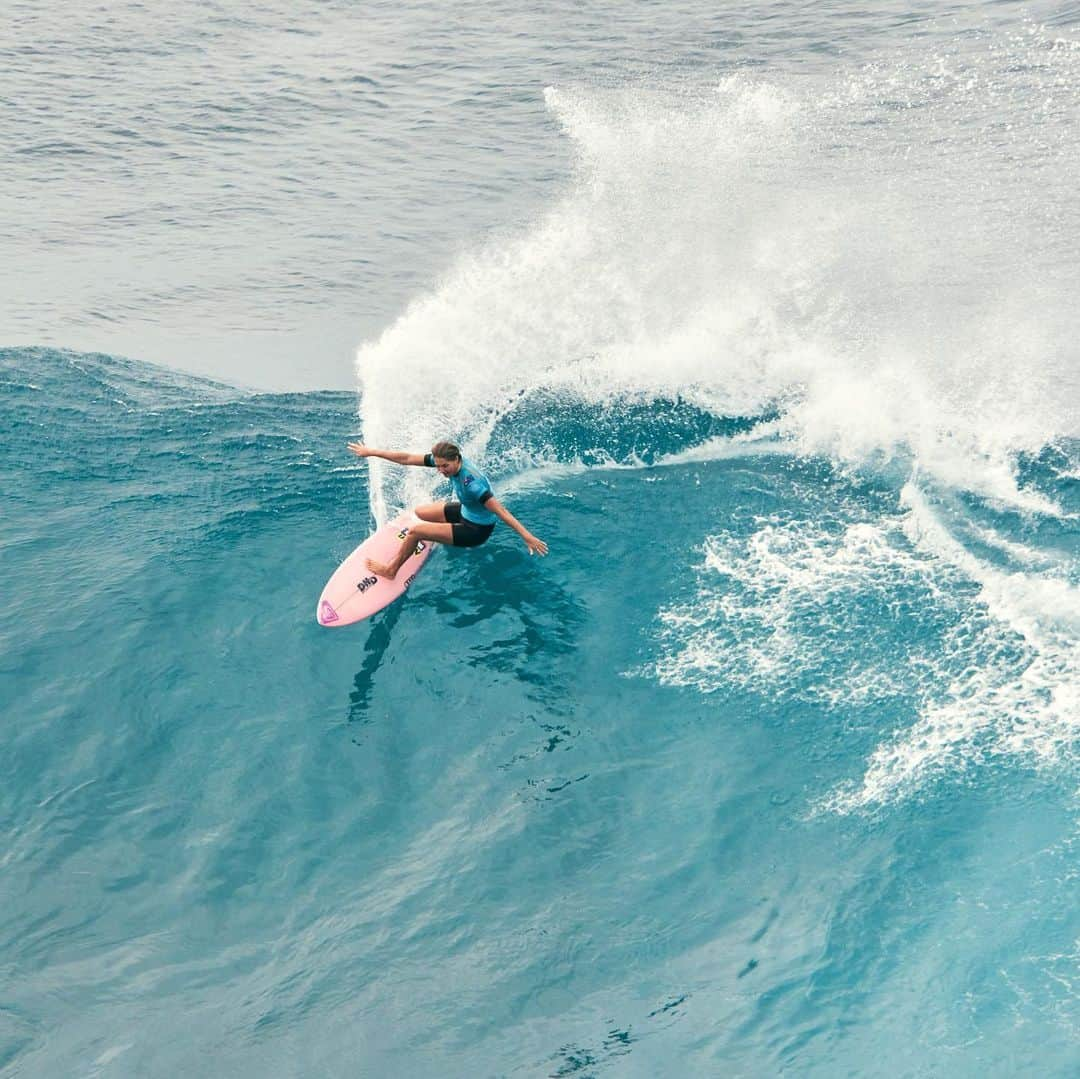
[
  {"x": 366, "y": 583},
  {"x": 420, "y": 544}
]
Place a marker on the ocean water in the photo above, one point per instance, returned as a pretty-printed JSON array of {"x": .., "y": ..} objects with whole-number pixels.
[{"x": 763, "y": 317}]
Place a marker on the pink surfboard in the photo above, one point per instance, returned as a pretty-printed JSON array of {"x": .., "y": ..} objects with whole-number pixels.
[{"x": 354, "y": 592}]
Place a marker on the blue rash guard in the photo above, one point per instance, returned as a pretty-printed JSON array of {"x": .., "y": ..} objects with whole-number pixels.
[{"x": 472, "y": 490}]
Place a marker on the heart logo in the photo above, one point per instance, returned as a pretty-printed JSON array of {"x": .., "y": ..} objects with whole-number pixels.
[{"x": 327, "y": 614}]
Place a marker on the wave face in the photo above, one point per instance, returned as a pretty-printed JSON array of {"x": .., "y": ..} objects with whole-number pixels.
[
  {"x": 770, "y": 768},
  {"x": 765, "y": 742}
]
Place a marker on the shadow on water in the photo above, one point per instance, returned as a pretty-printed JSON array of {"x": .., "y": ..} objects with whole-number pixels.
[
  {"x": 507, "y": 617},
  {"x": 522, "y": 621},
  {"x": 378, "y": 644}
]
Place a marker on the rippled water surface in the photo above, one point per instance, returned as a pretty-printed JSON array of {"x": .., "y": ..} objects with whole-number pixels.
[{"x": 251, "y": 190}]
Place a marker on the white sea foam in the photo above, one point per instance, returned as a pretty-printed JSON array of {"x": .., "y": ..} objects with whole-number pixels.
[
  {"x": 790, "y": 611},
  {"x": 1018, "y": 553},
  {"x": 784, "y": 610},
  {"x": 1026, "y": 704},
  {"x": 887, "y": 259}
]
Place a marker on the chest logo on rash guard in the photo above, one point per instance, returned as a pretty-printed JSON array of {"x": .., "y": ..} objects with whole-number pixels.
[{"x": 466, "y": 481}]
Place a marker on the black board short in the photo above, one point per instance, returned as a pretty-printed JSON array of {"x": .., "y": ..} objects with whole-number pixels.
[{"x": 466, "y": 533}]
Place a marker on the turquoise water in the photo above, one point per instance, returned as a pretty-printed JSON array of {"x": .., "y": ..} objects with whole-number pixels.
[
  {"x": 747, "y": 777},
  {"x": 764, "y": 319}
]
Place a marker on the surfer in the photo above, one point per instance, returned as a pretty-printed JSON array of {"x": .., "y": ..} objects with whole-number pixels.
[{"x": 467, "y": 521}]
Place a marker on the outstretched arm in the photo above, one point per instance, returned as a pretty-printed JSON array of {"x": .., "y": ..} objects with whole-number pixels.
[
  {"x": 536, "y": 546},
  {"x": 397, "y": 456}
]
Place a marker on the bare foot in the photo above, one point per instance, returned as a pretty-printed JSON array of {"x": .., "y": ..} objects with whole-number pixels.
[{"x": 381, "y": 568}]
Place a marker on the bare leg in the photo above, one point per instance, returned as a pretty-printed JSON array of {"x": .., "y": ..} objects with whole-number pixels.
[
  {"x": 432, "y": 512},
  {"x": 433, "y": 533}
]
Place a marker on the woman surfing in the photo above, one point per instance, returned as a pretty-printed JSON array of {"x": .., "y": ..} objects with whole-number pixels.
[{"x": 467, "y": 521}]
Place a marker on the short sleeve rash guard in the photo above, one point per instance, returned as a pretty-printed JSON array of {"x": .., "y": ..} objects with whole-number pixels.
[{"x": 472, "y": 490}]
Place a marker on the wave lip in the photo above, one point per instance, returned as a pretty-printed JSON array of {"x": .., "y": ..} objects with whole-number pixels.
[{"x": 761, "y": 246}]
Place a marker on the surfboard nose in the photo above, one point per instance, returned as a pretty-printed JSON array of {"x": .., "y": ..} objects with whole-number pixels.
[{"x": 326, "y": 614}]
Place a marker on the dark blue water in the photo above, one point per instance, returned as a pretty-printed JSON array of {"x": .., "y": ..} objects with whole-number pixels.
[{"x": 748, "y": 777}]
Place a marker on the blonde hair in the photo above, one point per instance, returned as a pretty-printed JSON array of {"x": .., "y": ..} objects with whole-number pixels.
[{"x": 448, "y": 451}]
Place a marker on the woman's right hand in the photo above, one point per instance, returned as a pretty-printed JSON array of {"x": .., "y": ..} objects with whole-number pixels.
[{"x": 360, "y": 449}]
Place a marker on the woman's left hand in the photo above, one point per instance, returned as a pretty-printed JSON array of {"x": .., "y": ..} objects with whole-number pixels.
[{"x": 536, "y": 546}]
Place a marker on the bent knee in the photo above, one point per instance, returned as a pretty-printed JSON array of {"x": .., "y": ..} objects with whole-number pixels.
[{"x": 432, "y": 513}]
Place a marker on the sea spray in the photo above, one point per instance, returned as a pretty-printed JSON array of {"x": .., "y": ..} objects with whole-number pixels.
[{"x": 871, "y": 255}]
